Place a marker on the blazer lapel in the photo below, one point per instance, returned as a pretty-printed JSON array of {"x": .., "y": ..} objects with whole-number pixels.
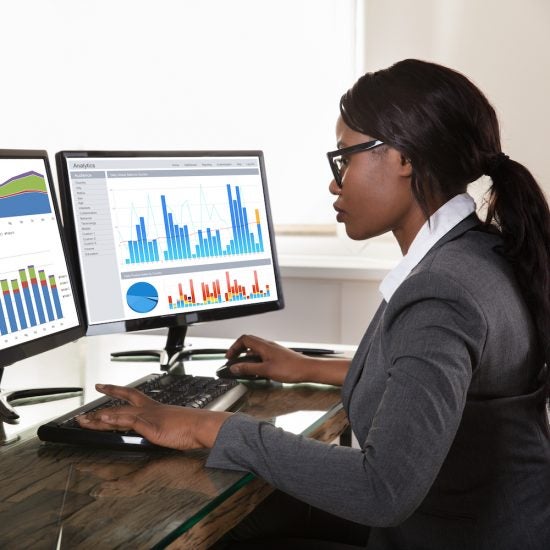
[
  {"x": 362, "y": 351},
  {"x": 358, "y": 362}
]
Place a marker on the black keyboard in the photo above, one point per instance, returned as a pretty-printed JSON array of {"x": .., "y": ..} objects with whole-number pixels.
[{"x": 200, "y": 392}]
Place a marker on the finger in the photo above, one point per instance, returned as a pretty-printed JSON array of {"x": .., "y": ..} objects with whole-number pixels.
[
  {"x": 255, "y": 368},
  {"x": 237, "y": 347},
  {"x": 113, "y": 420},
  {"x": 97, "y": 417},
  {"x": 131, "y": 395},
  {"x": 245, "y": 343}
]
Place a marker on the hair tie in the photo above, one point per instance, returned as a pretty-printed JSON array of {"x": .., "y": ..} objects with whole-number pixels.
[{"x": 498, "y": 160}]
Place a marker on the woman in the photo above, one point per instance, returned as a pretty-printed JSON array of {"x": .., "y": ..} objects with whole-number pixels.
[{"x": 447, "y": 392}]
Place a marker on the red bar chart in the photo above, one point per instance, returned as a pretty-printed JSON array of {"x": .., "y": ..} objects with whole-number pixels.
[{"x": 197, "y": 293}]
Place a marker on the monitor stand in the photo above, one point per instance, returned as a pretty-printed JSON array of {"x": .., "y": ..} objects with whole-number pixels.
[
  {"x": 27, "y": 397},
  {"x": 173, "y": 352}
]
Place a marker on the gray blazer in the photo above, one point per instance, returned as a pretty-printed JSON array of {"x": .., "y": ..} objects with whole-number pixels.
[{"x": 445, "y": 400}]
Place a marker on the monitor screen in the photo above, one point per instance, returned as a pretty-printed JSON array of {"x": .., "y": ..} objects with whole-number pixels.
[
  {"x": 38, "y": 310},
  {"x": 168, "y": 239}
]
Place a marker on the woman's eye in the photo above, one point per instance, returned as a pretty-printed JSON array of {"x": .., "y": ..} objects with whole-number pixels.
[{"x": 344, "y": 161}]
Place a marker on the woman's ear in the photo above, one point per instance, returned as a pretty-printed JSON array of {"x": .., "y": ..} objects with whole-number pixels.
[{"x": 406, "y": 167}]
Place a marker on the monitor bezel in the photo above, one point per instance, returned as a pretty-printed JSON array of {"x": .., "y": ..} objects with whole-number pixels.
[
  {"x": 24, "y": 350},
  {"x": 182, "y": 319}
]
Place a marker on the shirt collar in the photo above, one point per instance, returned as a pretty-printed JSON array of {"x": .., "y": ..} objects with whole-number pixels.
[{"x": 441, "y": 222}]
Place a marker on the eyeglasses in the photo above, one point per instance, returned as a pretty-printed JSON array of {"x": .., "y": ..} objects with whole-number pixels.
[{"x": 338, "y": 161}]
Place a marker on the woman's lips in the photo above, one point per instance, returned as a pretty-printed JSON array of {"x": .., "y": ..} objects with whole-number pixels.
[{"x": 339, "y": 213}]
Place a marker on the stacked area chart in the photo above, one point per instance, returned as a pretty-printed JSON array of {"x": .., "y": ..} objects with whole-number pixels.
[{"x": 24, "y": 195}]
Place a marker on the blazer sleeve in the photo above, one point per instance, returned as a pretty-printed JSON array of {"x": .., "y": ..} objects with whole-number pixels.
[{"x": 432, "y": 335}]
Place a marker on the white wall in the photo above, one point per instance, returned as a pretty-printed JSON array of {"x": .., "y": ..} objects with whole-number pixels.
[
  {"x": 502, "y": 45},
  {"x": 183, "y": 74}
]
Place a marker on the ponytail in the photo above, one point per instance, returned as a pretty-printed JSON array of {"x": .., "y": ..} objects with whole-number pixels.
[{"x": 518, "y": 208}]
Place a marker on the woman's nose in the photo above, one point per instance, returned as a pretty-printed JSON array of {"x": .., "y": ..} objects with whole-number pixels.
[{"x": 333, "y": 187}]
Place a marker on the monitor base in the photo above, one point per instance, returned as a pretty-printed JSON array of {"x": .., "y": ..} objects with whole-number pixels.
[
  {"x": 9, "y": 399},
  {"x": 4, "y": 439},
  {"x": 173, "y": 352}
]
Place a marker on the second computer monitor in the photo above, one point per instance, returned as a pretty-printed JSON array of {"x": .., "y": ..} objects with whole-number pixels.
[
  {"x": 38, "y": 306},
  {"x": 38, "y": 310},
  {"x": 168, "y": 239}
]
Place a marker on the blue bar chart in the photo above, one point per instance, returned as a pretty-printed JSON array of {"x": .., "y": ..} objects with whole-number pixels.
[
  {"x": 20, "y": 309},
  {"x": 142, "y": 250},
  {"x": 242, "y": 235}
]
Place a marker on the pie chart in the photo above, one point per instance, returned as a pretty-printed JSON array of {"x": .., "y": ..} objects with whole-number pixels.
[{"x": 142, "y": 297}]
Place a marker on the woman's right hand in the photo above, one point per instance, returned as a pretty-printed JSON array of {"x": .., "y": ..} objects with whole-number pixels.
[
  {"x": 278, "y": 363},
  {"x": 284, "y": 365}
]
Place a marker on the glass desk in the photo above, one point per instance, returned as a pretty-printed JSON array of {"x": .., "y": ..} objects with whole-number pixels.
[{"x": 137, "y": 499}]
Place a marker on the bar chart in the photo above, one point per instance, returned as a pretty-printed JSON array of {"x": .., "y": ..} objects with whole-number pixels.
[
  {"x": 211, "y": 292},
  {"x": 30, "y": 299},
  {"x": 242, "y": 235}
]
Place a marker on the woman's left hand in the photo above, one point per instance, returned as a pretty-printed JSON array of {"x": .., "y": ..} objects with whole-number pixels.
[{"x": 165, "y": 425}]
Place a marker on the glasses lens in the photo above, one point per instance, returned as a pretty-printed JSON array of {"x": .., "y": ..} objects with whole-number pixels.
[
  {"x": 340, "y": 167},
  {"x": 336, "y": 167}
]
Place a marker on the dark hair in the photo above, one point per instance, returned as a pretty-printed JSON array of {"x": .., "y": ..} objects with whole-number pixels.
[{"x": 449, "y": 131}]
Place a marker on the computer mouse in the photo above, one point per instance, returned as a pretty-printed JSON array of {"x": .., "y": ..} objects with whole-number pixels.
[{"x": 225, "y": 372}]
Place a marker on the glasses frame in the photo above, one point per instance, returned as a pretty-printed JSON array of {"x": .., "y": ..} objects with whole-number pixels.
[{"x": 352, "y": 150}]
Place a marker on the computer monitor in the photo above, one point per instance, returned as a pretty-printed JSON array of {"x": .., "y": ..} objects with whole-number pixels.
[
  {"x": 169, "y": 239},
  {"x": 38, "y": 307}
]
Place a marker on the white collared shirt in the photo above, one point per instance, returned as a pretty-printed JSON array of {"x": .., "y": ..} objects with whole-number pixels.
[{"x": 441, "y": 222}]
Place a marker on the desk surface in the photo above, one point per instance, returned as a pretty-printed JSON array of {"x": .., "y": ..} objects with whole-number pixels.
[{"x": 136, "y": 499}]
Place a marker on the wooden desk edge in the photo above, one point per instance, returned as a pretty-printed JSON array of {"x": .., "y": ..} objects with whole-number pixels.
[{"x": 237, "y": 506}]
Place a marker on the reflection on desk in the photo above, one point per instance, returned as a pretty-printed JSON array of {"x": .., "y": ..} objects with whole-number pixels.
[{"x": 145, "y": 500}]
